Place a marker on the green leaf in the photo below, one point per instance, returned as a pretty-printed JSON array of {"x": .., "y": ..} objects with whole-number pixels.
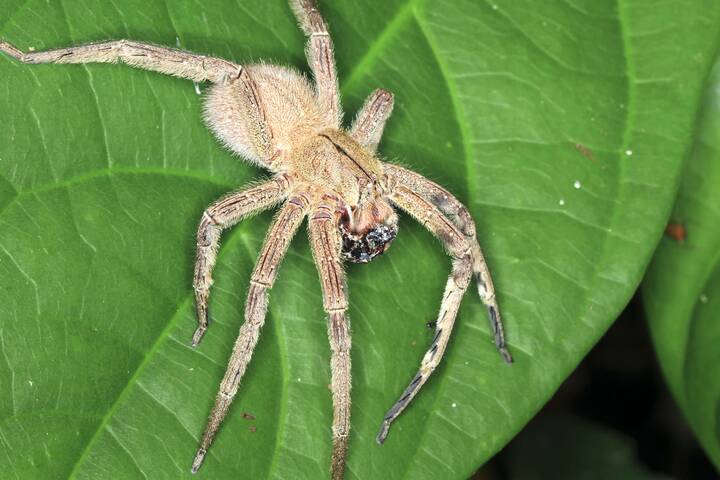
[
  {"x": 579, "y": 450},
  {"x": 681, "y": 291},
  {"x": 562, "y": 125}
]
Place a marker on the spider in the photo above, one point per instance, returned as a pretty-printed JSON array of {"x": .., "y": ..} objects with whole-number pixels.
[{"x": 275, "y": 118}]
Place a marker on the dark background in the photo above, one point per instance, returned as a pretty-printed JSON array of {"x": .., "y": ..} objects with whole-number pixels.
[{"x": 613, "y": 417}]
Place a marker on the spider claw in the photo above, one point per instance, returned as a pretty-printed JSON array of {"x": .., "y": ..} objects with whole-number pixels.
[{"x": 199, "y": 457}]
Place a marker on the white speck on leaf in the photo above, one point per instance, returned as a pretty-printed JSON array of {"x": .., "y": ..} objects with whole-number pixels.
[
  {"x": 454, "y": 405},
  {"x": 628, "y": 152},
  {"x": 561, "y": 202},
  {"x": 577, "y": 184},
  {"x": 703, "y": 298}
]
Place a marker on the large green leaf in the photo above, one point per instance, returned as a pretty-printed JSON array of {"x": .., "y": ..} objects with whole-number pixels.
[
  {"x": 580, "y": 450},
  {"x": 682, "y": 288},
  {"x": 561, "y": 124}
]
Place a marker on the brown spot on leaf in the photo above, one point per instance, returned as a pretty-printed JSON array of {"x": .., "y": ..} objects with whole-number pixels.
[
  {"x": 676, "y": 231},
  {"x": 586, "y": 152}
]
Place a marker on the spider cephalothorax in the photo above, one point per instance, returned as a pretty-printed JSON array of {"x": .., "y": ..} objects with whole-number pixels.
[{"x": 275, "y": 118}]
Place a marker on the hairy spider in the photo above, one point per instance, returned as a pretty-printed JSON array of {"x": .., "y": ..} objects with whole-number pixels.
[{"x": 275, "y": 118}]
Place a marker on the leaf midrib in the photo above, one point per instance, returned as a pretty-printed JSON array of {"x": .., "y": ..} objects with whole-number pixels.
[{"x": 110, "y": 172}]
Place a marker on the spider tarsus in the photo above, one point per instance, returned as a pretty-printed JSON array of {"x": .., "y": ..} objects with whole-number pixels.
[
  {"x": 383, "y": 433},
  {"x": 199, "y": 457},
  {"x": 198, "y": 335},
  {"x": 10, "y": 50},
  {"x": 497, "y": 331},
  {"x": 506, "y": 354}
]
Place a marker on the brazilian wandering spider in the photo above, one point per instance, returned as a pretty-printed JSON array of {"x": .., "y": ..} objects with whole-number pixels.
[{"x": 276, "y": 118}]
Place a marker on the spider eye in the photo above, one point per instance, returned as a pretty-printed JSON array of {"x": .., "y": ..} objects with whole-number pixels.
[{"x": 363, "y": 248}]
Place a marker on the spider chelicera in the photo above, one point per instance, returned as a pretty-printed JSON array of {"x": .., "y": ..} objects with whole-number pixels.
[{"x": 274, "y": 117}]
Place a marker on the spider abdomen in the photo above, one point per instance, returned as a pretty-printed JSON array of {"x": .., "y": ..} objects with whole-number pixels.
[{"x": 282, "y": 97}]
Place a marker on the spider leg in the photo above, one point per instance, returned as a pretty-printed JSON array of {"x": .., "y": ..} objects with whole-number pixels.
[
  {"x": 370, "y": 122},
  {"x": 321, "y": 58},
  {"x": 461, "y": 251},
  {"x": 263, "y": 277},
  {"x": 198, "y": 68},
  {"x": 326, "y": 245},
  {"x": 220, "y": 215},
  {"x": 458, "y": 214}
]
